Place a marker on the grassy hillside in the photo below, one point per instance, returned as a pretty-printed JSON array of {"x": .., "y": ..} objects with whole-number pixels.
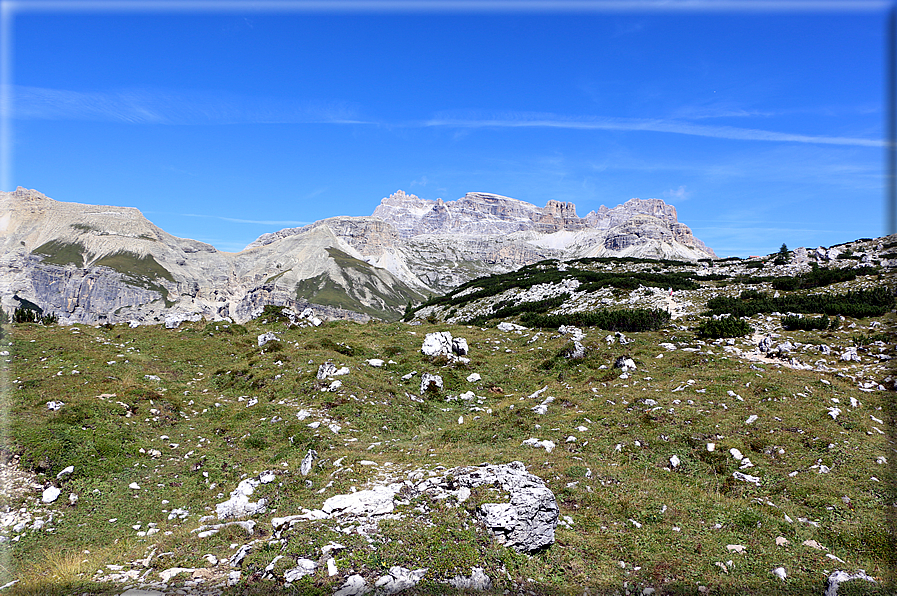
[{"x": 161, "y": 425}]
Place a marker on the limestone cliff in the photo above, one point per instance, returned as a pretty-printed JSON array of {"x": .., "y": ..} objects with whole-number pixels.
[{"x": 91, "y": 263}]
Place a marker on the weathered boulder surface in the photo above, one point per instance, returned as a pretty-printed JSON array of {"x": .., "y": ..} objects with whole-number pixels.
[{"x": 526, "y": 523}]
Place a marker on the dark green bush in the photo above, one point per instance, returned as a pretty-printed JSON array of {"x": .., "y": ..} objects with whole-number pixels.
[
  {"x": 818, "y": 278},
  {"x": 635, "y": 319},
  {"x": 807, "y": 324},
  {"x": 724, "y": 327},
  {"x": 30, "y": 315},
  {"x": 858, "y": 304},
  {"x": 502, "y": 309}
]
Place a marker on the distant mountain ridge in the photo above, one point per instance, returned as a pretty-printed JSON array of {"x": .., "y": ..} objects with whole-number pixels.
[{"x": 92, "y": 263}]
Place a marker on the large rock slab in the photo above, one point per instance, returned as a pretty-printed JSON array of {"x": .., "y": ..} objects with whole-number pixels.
[{"x": 526, "y": 523}]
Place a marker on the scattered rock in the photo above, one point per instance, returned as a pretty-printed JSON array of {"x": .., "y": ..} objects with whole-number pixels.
[
  {"x": 239, "y": 505},
  {"x": 328, "y": 369},
  {"x": 430, "y": 382},
  {"x": 303, "y": 567},
  {"x": 746, "y": 478},
  {"x": 459, "y": 346},
  {"x": 548, "y": 445},
  {"x": 624, "y": 362},
  {"x": 307, "y": 461},
  {"x": 173, "y": 320},
  {"x": 266, "y": 337},
  {"x": 50, "y": 494}
]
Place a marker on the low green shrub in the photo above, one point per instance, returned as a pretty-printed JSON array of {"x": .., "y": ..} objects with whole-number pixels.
[
  {"x": 792, "y": 323},
  {"x": 504, "y": 309},
  {"x": 818, "y": 278},
  {"x": 724, "y": 327},
  {"x": 634, "y": 319},
  {"x": 857, "y": 304}
]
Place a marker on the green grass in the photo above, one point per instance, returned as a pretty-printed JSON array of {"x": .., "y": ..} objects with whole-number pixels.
[
  {"x": 57, "y": 252},
  {"x": 134, "y": 265},
  {"x": 208, "y": 373}
]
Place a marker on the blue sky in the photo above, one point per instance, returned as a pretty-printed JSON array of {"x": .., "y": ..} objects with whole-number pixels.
[{"x": 220, "y": 121}]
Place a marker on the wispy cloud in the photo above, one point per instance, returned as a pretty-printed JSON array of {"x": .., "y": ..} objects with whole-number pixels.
[
  {"x": 159, "y": 106},
  {"x": 678, "y": 195},
  {"x": 265, "y": 222},
  {"x": 530, "y": 120}
]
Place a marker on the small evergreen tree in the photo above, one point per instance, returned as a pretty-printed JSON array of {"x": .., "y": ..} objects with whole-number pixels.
[{"x": 782, "y": 256}]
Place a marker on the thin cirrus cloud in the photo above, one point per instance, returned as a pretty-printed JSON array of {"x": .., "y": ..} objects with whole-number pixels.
[
  {"x": 527, "y": 120},
  {"x": 142, "y": 106},
  {"x": 249, "y": 221}
]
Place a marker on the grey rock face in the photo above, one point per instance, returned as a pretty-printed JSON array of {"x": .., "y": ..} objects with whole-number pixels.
[
  {"x": 527, "y": 522},
  {"x": 441, "y": 343},
  {"x": 477, "y": 581},
  {"x": 398, "y": 579},
  {"x": 436, "y": 344},
  {"x": 375, "y": 501},
  {"x": 839, "y": 577}
]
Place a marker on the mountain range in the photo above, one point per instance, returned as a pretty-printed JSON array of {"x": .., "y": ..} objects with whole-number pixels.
[{"x": 94, "y": 264}]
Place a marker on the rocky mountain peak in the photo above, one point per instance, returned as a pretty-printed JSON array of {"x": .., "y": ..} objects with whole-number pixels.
[{"x": 480, "y": 213}]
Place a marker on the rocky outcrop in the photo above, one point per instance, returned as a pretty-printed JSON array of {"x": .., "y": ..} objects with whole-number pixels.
[{"x": 526, "y": 523}]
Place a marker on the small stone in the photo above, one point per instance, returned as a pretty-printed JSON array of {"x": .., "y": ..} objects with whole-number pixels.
[{"x": 51, "y": 493}]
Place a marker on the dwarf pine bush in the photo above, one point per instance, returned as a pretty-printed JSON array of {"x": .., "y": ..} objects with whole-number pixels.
[
  {"x": 724, "y": 327},
  {"x": 631, "y": 320},
  {"x": 792, "y": 323},
  {"x": 858, "y": 304}
]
